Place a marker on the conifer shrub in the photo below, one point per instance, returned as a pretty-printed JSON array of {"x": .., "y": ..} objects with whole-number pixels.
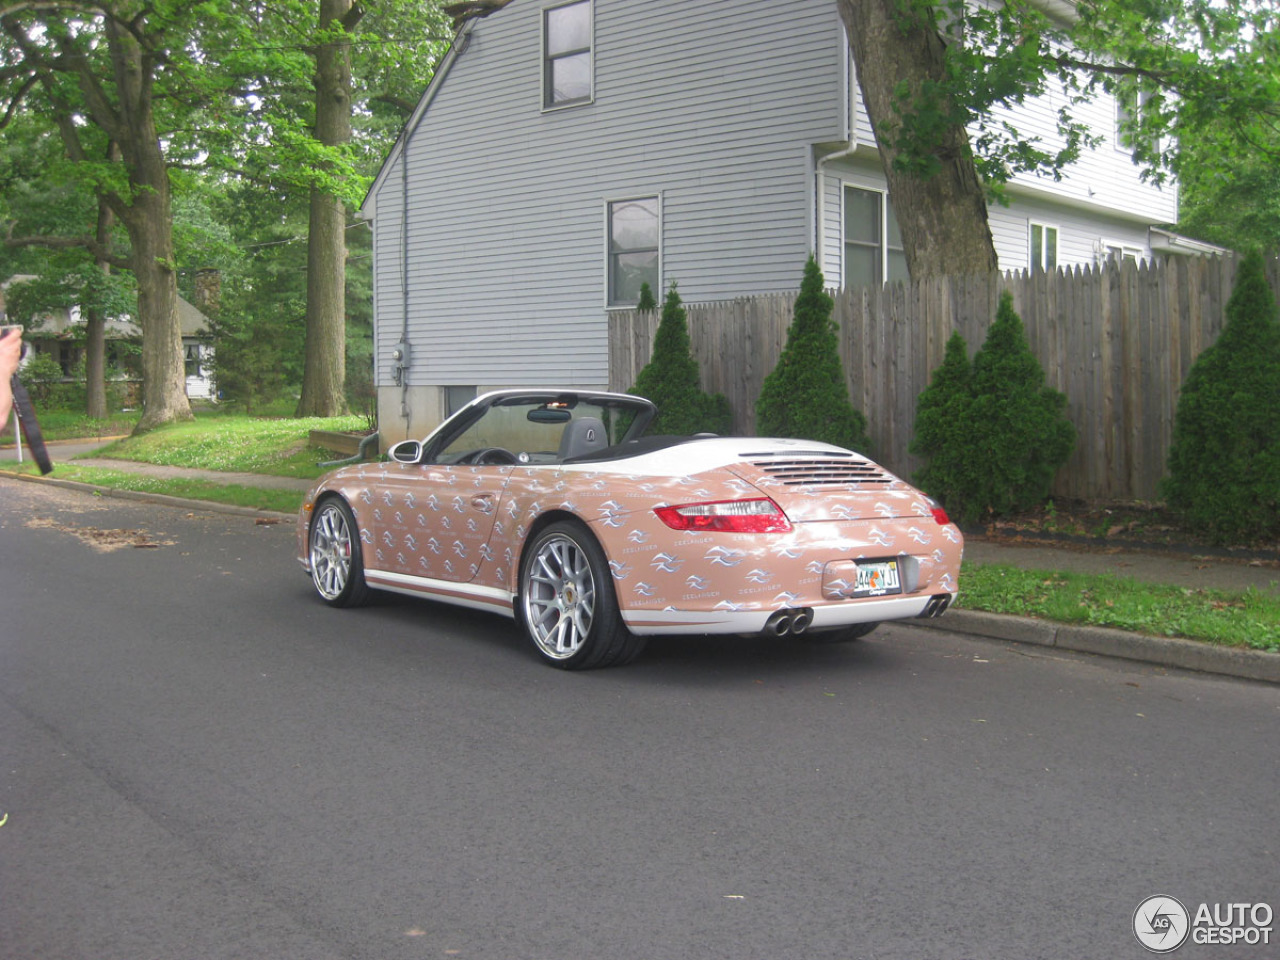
[
  {"x": 646, "y": 301},
  {"x": 806, "y": 396},
  {"x": 670, "y": 379},
  {"x": 942, "y": 411},
  {"x": 1224, "y": 463},
  {"x": 993, "y": 433}
]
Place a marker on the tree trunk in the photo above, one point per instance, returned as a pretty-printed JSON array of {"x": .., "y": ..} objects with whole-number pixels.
[
  {"x": 164, "y": 380},
  {"x": 95, "y": 367},
  {"x": 148, "y": 218},
  {"x": 943, "y": 218},
  {"x": 324, "y": 369}
]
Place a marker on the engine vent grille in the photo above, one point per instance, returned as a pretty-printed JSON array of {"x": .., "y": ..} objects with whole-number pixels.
[{"x": 808, "y": 471}]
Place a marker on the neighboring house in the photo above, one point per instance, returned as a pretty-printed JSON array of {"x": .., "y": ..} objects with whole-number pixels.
[
  {"x": 56, "y": 335},
  {"x": 568, "y": 150}
]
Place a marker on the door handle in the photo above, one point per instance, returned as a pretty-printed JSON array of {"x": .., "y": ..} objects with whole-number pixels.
[{"x": 483, "y": 502}]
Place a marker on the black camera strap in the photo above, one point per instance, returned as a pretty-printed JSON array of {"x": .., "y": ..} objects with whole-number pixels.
[{"x": 30, "y": 426}]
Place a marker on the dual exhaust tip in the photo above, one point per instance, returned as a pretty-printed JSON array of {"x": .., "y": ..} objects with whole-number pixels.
[
  {"x": 789, "y": 622},
  {"x": 936, "y": 606},
  {"x": 782, "y": 623}
]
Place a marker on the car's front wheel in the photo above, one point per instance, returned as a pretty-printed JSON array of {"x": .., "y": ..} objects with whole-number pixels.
[
  {"x": 337, "y": 569},
  {"x": 567, "y": 602}
]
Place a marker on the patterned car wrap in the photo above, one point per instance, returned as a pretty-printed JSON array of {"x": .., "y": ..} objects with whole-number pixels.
[{"x": 456, "y": 533}]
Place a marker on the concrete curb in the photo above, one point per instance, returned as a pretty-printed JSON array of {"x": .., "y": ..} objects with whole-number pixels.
[
  {"x": 205, "y": 506},
  {"x": 1104, "y": 641}
]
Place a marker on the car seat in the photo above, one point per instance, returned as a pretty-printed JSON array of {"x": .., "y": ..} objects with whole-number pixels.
[{"x": 582, "y": 436}]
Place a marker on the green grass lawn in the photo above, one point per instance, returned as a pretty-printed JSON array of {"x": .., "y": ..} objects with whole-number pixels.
[
  {"x": 256, "y": 498},
  {"x": 1248, "y": 619},
  {"x": 235, "y": 443},
  {"x": 70, "y": 425}
]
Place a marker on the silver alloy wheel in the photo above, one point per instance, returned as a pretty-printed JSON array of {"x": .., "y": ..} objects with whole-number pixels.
[
  {"x": 560, "y": 597},
  {"x": 331, "y": 546}
]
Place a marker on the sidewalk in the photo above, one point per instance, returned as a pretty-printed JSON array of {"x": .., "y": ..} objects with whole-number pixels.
[{"x": 1177, "y": 569}]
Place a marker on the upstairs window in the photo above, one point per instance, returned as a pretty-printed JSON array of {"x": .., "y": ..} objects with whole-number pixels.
[
  {"x": 1130, "y": 105},
  {"x": 872, "y": 241},
  {"x": 633, "y": 249},
  {"x": 566, "y": 54},
  {"x": 1044, "y": 247}
]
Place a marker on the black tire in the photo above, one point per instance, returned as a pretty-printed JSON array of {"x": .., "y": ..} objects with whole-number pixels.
[
  {"x": 842, "y": 635},
  {"x": 567, "y": 603},
  {"x": 333, "y": 549}
]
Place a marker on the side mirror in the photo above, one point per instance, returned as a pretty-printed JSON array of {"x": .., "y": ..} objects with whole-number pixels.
[{"x": 406, "y": 451}]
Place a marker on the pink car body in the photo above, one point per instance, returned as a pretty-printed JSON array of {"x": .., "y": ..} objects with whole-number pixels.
[{"x": 703, "y": 535}]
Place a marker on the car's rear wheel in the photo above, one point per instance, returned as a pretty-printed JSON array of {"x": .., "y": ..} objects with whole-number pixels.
[
  {"x": 567, "y": 602},
  {"x": 337, "y": 569},
  {"x": 841, "y": 635}
]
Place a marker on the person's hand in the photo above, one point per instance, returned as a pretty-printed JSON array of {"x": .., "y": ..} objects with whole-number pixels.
[{"x": 10, "y": 354}]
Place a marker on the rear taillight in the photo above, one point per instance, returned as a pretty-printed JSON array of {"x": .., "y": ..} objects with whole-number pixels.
[
  {"x": 940, "y": 515},
  {"x": 728, "y": 516}
]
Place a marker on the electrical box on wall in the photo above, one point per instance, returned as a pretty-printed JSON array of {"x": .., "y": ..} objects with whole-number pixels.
[{"x": 400, "y": 358}]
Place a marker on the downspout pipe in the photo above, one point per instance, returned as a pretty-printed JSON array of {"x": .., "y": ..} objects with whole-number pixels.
[
  {"x": 820, "y": 187},
  {"x": 821, "y": 159},
  {"x": 362, "y": 453}
]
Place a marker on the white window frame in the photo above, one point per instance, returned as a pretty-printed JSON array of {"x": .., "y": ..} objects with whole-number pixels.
[
  {"x": 884, "y": 228},
  {"x": 1126, "y": 251},
  {"x": 658, "y": 292},
  {"x": 1119, "y": 116},
  {"x": 1123, "y": 111},
  {"x": 544, "y": 62},
  {"x": 1057, "y": 244}
]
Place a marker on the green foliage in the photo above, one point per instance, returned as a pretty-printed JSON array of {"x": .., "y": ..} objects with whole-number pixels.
[
  {"x": 646, "y": 301},
  {"x": 234, "y": 103},
  {"x": 806, "y": 395},
  {"x": 670, "y": 379},
  {"x": 250, "y": 360},
  {"x": 1187, "y": 66},
  {"x": 41, "y": 375},
  {"x": 993, "y": 433},
  {"x": 1224, "y": 463},
  {"x": 1231, "y": 198},
  {"x": 942, "y": 413}
]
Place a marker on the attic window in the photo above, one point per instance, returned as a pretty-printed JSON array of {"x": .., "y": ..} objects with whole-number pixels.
[{"x": 566, "y": 45}]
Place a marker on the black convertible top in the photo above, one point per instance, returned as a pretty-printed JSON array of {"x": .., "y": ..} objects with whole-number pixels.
[{"x": 633, "y": 448}]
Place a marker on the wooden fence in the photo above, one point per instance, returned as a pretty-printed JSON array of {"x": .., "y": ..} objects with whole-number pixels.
[{"x": 1118, "y": 340}]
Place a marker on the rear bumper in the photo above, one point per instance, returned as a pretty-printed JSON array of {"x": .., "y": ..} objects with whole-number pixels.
[{"x": 826, "y": 616}]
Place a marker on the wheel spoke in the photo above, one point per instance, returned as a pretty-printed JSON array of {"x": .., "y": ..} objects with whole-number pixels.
[
  {"x": 331, "y": 552},
  {"x": 559, "y": 597}
]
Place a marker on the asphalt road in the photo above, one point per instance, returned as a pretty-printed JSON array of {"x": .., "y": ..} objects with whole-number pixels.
[{"x": 200, "y": 760}]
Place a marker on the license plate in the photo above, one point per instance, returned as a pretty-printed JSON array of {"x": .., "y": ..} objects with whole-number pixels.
[{"x": 877, "y": 579}]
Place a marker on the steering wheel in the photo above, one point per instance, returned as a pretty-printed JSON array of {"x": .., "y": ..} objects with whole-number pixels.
[{"x": 496, "y": 456}]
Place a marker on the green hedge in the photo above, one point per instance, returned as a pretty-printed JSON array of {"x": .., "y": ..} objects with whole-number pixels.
[
  {"x": 670, "y": 379},
  {"x": 1224, "y": 463},
  {"x": 806, "y": 396},
  {"x": 993, "y": 433}
]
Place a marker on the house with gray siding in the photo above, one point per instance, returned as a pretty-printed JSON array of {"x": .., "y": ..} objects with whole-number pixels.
[{"x": 568, "y": 150}]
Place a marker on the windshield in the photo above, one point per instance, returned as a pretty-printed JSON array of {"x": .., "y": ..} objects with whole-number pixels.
[{"x": 540, "y": 430}]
